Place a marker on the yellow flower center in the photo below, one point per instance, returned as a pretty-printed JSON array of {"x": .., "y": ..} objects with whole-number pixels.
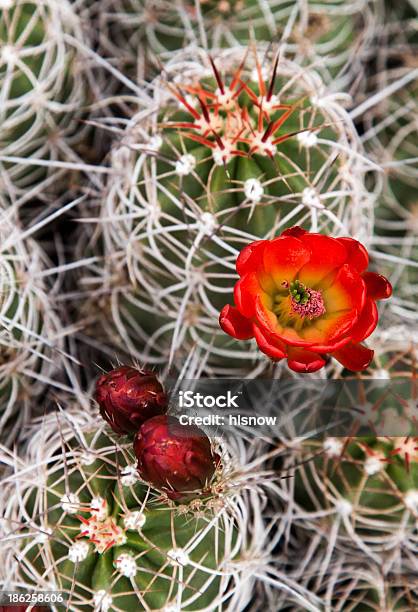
[{"x": 297, "y": 305}]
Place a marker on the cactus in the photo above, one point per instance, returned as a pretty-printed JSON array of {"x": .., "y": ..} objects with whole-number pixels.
[
  {"x": 349, "y": 584},
  {"x": 315, "y": 33},
  {"x": 185, "y": 200},
  {"x": 43, "y": 91},
  {"x": 228, "y": 122},
  {"x": 365, "y": 484},
  {"x": 30, "y": 332},
  {"x": 388, "y": 114},
  {"x": 360, "y": 491},
  {"x": 85, "y": 523},
  {"x": 390, "y": 123},
  {"x": 351, "y": 503}
]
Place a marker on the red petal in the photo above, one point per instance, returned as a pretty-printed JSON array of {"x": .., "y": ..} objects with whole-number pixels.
[
  {"x": 366, "y": 322},
  {"x": 327, "y": 255},
  {"x": 284, "y": 257},
  {"x": 295, "y": 231},
  {"x": 347, "y": 292},
  {"x": 331, "y": 347},
  {"x": 275, "y": 349},
  {"x": 265, "y": 317},
  {"x": 250, "y": 257},
  {"x": 301, "y": 360},
  {"x": 378, "y": 286},
  {"x": 354, "y": 357},
  {"x": 330, "y": 334},
  {"x": 357, "y": 255},
  {"x": 246, "y": 292},
  {"x": 234, "y": 324}
]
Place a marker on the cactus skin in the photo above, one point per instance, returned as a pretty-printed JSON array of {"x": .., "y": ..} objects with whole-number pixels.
[
  {"x": 188, "y": 218},
  {"x": 89, "y": 489},
  {"x": 43, "y": 87}
]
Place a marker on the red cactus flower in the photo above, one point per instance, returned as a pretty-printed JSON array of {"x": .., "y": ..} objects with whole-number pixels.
[
  {"x": 177, "y": 459},
  {"x": 127, "y": 397},
  {"x": 305, "y": 295}
]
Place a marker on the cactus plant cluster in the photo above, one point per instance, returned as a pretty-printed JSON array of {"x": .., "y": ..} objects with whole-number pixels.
[
  {"x": 332, "y": 35},
  {"x": 194, "y": 191},
  {"x": 238, "y": 147},
  {"x": 86, "y": 524}
]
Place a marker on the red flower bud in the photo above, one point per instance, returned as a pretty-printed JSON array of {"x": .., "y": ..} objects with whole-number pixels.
[
  {"x": 178, "y": 459},
  {"x": 127, "y": 397}
]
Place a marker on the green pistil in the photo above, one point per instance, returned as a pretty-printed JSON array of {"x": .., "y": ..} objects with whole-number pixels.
[
  {"x": 299, "y": 293},
  {"x": 303, "y": 306}
]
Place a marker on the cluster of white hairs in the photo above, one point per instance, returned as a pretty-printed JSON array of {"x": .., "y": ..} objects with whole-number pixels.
[{"x": 43, "y": 91}]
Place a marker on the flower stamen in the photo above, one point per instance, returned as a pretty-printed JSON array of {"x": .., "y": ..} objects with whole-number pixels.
[{"x": 306, "y": 302}]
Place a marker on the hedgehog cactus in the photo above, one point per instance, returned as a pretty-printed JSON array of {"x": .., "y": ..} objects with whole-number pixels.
[
  {"x": 364, "y": 489},
  {"x": 390, "y": 125},
  {"x": 30, "y": 340},
  {"x": 219, "y": 161},
  {"x": 42, "y": 88},
  {"x": 354, "y": 499},
  {"x": 350, "y": 584},
  {"x": 324, "y": 34},
  {"x": 88, "y": 525}
]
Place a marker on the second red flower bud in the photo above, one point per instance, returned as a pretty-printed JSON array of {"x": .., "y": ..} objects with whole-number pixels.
[{"x": 177, "y": 459}]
